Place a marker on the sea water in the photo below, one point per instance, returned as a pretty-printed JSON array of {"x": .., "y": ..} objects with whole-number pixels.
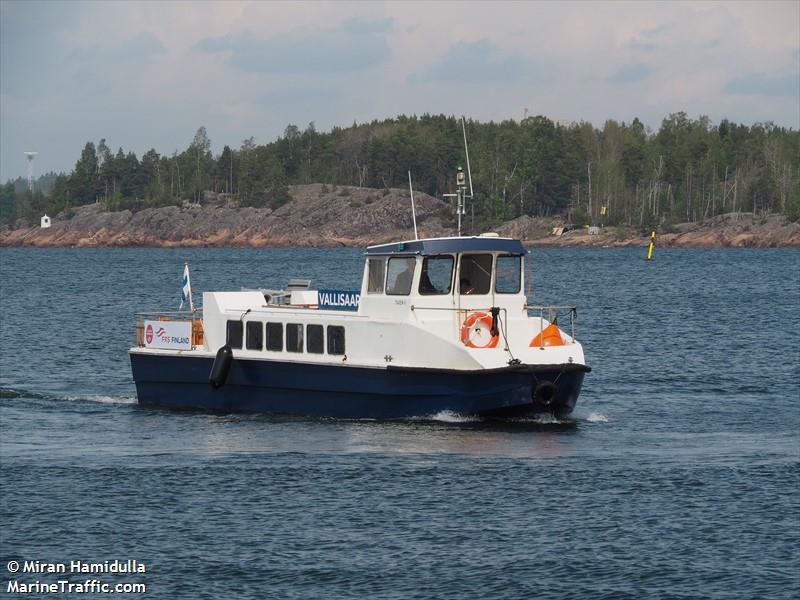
[{"x": 676, "y": 477}]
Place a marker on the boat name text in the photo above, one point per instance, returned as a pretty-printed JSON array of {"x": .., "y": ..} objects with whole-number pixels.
[{"x": 338, "y": 299}]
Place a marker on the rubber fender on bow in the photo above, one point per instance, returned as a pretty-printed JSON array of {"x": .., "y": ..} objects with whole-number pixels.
[
  {"x": 545, "y": 393},
  {"x": 476, "y": 332},
  {"x": 221, "y": 367},
  {"x": 550, "y": 336}
]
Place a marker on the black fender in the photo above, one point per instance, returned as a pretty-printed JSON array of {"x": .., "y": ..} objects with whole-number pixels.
[
  {"x": 545, "y": 393},
  {"x": 221, "y": 367}
]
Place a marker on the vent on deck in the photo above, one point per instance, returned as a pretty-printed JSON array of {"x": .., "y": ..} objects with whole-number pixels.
[{"x": 299, "y": 284}]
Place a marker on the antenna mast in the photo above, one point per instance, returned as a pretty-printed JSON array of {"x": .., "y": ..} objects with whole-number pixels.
[
  {"x": 459, "y": 196},
  {"x": 461, "y": 184},
  {"x": 31, "y": 156},
  {"x": 413, "y": 210},
  {"x": 466, "y": 151}
]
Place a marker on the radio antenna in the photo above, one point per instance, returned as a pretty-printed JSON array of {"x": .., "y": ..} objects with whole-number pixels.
[
  {"x": 466, "y": 151},
  {"x": 413, "y": 210},
  {"x": 461, "y": 183}
]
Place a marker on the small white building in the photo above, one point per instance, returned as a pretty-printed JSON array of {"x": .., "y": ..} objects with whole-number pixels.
[{"x": 45, "y": 222}]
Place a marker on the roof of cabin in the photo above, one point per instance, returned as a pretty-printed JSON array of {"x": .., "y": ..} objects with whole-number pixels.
[{"x": 450, "y": 245}]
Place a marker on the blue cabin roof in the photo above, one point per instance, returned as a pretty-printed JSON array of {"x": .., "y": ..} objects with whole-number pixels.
[{"x": 453, "y": 245}]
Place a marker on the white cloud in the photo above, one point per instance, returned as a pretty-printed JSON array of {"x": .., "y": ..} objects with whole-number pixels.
[
  {"x": 358, "y": 44},
  {"x": 132, "y": 72}
]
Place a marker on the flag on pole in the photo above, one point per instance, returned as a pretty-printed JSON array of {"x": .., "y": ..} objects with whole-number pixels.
[{"x": 186, "y": 289}]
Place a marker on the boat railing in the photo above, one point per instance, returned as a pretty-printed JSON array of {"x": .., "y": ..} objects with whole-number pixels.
[
  {"x": 195, "y": 316},
  {"x": 551, "y": 314}
]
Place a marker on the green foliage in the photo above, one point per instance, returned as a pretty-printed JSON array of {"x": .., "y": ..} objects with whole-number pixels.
[
  {"x": 793, "y": 202},
  {"x": 688, "y": 170},
  {"x": 83, "y": 178},
  {"x": 579, "y": 217},
  {"x": 8, "y": 206}
]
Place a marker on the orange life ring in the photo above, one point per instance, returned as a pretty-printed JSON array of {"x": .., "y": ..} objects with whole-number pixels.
[{"x": 476, "y": 332}]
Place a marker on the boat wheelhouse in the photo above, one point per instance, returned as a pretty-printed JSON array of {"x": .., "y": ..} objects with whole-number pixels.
[{"x": 439, "y": 324}]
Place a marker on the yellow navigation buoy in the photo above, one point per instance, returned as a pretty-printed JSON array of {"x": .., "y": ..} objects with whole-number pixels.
[{"x": 650, "y": 249}]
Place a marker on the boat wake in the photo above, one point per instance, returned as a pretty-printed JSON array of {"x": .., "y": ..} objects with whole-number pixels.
[
  {"x": 595, "y": 417},
  {"x": 544, "y": 419},
  {"x": 449, "y": 416},
  {"x": 100, "y": 399},
  {"x": 9, "y": 393}
]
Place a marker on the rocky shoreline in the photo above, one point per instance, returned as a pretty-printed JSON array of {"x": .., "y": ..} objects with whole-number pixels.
[
  {"x": 735, "y": 230},
  {"x": 319, "y": 216}
]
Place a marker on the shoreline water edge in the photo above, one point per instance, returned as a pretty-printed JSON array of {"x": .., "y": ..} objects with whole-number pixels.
[{"x": 364, "y": 217}]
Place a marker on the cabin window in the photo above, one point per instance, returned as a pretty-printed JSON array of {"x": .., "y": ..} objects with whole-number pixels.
[
  {"x": 475, "y": 274},
  {"x": 255, "y": 335},
  {"x": 275, "y": 337},
  {"x": 376, "y": 271},
  {"x": 399, "y": 276},
  {"x": 335, "y": 339},
  {"x": 233, "y": 334},
  {"x": 508, "y": 278},
  {"x": 315, "y": 339},
  {"x": 294, "y": 337},
  {"x": 436, "y": 276}
]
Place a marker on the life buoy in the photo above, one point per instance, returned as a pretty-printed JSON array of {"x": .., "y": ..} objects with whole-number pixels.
[{"x": 476, "y": 332}]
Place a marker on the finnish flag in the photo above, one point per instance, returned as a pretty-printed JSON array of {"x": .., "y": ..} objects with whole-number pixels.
[{"x": 186, "y": 289}]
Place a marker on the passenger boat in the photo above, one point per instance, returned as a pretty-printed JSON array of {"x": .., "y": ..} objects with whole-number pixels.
[{"x": 439, "y": 324}]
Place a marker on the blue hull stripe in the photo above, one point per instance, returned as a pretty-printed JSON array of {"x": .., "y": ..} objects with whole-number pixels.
[{"x": 348, "y": 391}]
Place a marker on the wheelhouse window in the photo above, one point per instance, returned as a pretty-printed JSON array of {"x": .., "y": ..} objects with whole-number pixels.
[
  {"x": 275, "y": 337},
  {"x": 315, "y": 339},
  {"x": 436, "y": 276},
  {"x": 255, "y": 335},
  {"x": 475, "y": 274},
  {"x": 233, "y": 334},
  {"x": 376, "y": 274},
  {"x": 335, "y": 339},
  {"x": 399, "y": 276},
  {"x": 294, "y": 337},
  {"x": 508, "y": 278}
]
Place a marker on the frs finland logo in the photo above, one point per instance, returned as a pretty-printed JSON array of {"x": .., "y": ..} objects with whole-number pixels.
[
  {"x": 160, "y": 331},
  {"x": 149, "y": 334}
]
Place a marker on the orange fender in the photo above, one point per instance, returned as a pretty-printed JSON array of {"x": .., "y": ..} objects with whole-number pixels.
[{"x": 550, "y": 336}]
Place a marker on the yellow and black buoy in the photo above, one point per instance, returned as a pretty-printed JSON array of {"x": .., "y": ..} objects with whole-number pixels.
[{"x": 652, "y": 242}]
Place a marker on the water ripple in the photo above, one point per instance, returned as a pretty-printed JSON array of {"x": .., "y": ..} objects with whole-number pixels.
[{"x": 676, "y": 477}]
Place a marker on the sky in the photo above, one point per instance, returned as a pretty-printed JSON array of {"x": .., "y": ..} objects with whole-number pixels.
[{"x": 148, "y": 74}]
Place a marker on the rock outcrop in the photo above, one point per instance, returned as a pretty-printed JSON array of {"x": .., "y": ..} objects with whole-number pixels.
[
  {"x": 316, "y": 216},
  {"x": 352, "y": 216},
  {"x": 735, "y": 230}
]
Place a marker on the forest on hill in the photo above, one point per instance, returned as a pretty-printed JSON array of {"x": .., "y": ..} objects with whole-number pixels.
[{"x": 688, "y": 170}]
